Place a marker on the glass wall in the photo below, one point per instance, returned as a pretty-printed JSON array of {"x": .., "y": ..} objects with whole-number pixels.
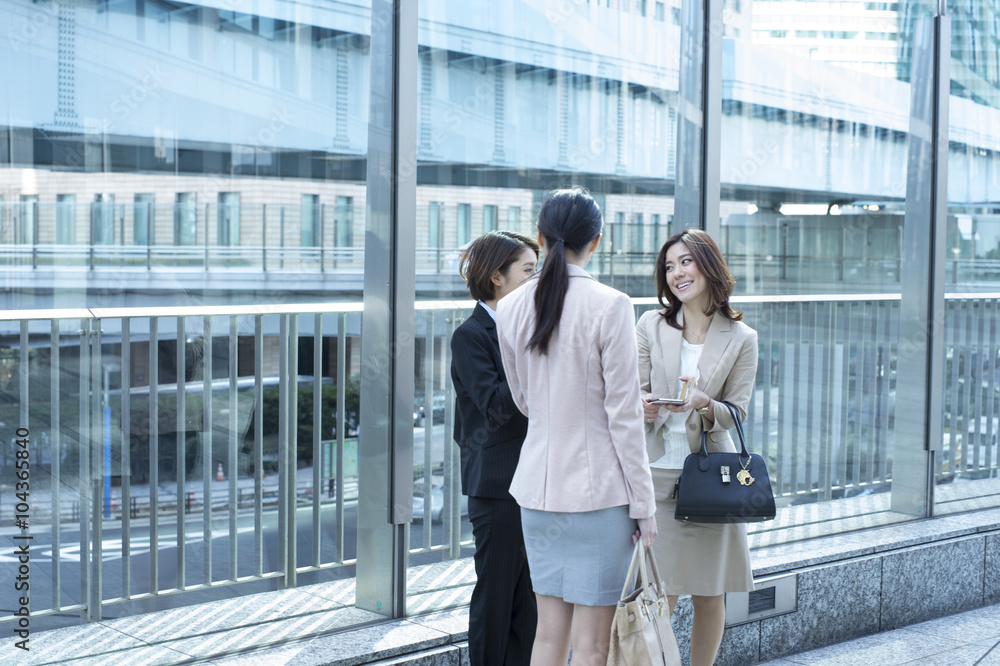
[
  {"x": 966, "y": 464},
  {"x": 815, "y": 130},
  {"x": 192, "y": 168},
  {"x": 547, "y": 95}
]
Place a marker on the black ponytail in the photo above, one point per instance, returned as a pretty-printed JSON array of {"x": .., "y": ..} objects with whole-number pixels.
[{"x": 568, "y": 219}]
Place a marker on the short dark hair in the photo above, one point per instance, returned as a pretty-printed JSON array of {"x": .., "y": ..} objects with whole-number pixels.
[
  {"x": 710, "y": 262},
  {"x": 493, "y": 251}
]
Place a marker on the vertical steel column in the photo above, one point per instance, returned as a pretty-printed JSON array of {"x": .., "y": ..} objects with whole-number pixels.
[
  {"x": 84, "y": 475},
  {"x": 385, "y": 453},
  {"x": 55, "y": 367},
  {"x": 126, "y": 465},
  {"x": 208, "y": 442},
  {"x": 318, "y": 459},
  {"x": 919, "y": 380},
  {"x": 234, "y": 342},
  {"x": 284, "y": 510},
  {"x": 428, "y": 426},
  {"x": 341, "y": 427},
  {"x": 699, "y": 116},
  {"x": 154, "y": 455},
  {"x": 96, "y": 481},
  {"x": 180, "y": 452},
  {"x": 291, "y": 381},
  {"x": 258, "y": 443}
]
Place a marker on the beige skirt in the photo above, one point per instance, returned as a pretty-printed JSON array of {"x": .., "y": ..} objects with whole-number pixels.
[{"x": 697, "y": 558}]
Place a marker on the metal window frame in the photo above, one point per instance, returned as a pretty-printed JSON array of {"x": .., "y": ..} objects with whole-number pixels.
[{"x": 385, "y": 454}]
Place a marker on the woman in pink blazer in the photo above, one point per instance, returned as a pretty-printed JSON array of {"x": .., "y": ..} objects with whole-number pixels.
[
  {"x": 697, "y": 336},
  {"x": 582, "y": 480}
]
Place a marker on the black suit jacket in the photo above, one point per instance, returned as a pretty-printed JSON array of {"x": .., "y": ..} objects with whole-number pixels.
[{"x": 489, "y": 428}]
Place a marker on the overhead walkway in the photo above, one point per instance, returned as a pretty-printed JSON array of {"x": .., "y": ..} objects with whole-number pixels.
[{"x": 925, "y": 592}]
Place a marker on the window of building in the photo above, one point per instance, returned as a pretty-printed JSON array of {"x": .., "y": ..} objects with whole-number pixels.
[
  {"x": 343, "y": 222},
  {"x": 489, "y": 218},
  {"x": 142, "y": 219},
  {"x": 186, "y": 218},
  {"x": 464, "y": 227},
  {"x": 65, "y": 219},
  {"x": 228, "y": 219},
  {"x": 28, "y": 217},
  {"x": 659, "y": 12},
  {"x": 435, "y": 230},
  {"x": 514, "y": 218},
  {"x": 310, "y": 220},
  {"x": 102, "y": 219}
]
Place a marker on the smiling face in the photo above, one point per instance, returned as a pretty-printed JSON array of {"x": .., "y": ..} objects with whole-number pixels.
[
  {"x": 684, "y": 279},
  {"x": 519, "y": 271}
]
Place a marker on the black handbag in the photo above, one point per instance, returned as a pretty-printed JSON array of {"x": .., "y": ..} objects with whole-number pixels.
[{"x": 724, "y": 487}]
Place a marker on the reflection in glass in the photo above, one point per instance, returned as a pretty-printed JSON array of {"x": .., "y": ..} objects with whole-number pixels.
[{"x": 967, "y": 464}]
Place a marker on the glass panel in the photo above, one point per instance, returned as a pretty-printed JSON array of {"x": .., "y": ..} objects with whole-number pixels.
[
  {"x": 814, "y": 153},
  {"x": 174, "y": 174},
  {"x": 967, "y": 464},
  {"x": 595, "y": 105}
]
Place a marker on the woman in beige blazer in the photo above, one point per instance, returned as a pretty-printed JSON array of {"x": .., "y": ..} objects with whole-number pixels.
[
  {"x": 697, "y": 336},
  {"x": 582, "y": 480}
]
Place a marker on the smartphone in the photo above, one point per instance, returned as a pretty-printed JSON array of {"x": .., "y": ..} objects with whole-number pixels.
[
  {"x": 685, "y": 395},
  {"x": 667, "y": 401}
]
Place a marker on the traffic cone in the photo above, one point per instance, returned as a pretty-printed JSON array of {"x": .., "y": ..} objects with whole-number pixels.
[
  {"x": 114, "y": 500},
  {"x": 219, "y": 476}
]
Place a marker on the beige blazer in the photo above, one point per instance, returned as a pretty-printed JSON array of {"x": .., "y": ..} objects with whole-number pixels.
[
  {"x": 584, "y": 450},
  {"x": 727, "y": 370}
]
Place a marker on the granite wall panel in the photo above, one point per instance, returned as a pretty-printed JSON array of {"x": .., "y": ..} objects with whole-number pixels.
[
  {"x": 991, "y": 587},
  {"x": 926, "y": 582},
  {"x": 835, "y": 602}
]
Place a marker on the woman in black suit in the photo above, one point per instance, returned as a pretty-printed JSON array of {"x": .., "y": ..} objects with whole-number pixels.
[{"x": 489, "y": 430}]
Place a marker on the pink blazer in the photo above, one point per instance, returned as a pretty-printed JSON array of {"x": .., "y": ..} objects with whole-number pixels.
[{"x": 585, "y": 447}]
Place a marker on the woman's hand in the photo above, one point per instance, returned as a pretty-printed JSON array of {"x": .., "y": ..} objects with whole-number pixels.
[
  {"x": 696, "y": 400},
  {"x": 646, "y": 531},
  {"x": 649, "y": 411}
]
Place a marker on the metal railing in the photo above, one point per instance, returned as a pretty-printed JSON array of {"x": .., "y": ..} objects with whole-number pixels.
[{"x": 133, "y": 414}]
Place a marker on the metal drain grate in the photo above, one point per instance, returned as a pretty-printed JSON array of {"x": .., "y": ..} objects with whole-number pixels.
[{"x": 772, "y": 596}]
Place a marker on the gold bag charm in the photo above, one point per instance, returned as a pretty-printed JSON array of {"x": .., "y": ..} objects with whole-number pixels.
[{"x": 744, "y": 477}]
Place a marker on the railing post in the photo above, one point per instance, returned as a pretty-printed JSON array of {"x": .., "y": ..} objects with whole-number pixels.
[{"x": 263, "y": 239}]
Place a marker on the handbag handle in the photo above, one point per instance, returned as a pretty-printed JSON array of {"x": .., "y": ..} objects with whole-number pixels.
[
  {"x": 739, "y": 431},
  {"x": 639, "y": 554}
]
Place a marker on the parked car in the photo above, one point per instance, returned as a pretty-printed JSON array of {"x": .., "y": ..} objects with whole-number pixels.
[
  {"x": 437, "y": 502},
  {"x": 420, "y": 409}
]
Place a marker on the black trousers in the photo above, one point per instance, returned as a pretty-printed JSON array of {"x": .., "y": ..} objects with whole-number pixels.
[{"x": 502, "y": 613}]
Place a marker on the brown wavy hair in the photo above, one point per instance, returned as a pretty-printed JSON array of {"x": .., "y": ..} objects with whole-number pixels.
[{"x": 708, "y": 257}]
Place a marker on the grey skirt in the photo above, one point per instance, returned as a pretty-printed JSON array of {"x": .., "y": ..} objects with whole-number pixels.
[{"x": 581, "y": 558}]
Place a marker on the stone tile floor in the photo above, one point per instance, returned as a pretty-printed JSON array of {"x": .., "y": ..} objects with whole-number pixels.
[{"x": 971, "y": 638}]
